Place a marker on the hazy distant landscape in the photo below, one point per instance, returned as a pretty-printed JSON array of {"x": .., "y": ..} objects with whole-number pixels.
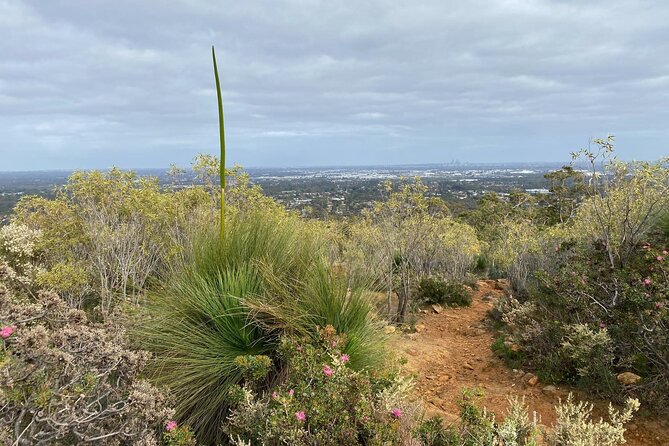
[{"x": 329, "y": 190}]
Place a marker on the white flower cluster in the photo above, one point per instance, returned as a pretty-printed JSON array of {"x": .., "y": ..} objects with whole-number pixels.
[
  {"x": 18, "y": 240},
  {"x": 17, "y": 249}
]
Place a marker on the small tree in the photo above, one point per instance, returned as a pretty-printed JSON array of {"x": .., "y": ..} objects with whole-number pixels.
[{"x": 624, "y": 200}]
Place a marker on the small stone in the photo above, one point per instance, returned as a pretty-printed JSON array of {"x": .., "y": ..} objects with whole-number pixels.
[
  {"x": 487, "y": 298},
  {"x": 389, "y": 329},
  {"x": 420, "y": 328},
  {"x": 468, "y": 366},
  {"x": 550, "y": 390},
  {"x": 628, "y": 378},
  {"x": 632, "y": 427},
  {"x": 437, "y": 308},
  {"x": 530, "y": 378},
  {"x": 412, "y": 352}
]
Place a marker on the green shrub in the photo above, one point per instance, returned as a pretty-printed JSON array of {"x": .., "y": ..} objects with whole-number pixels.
[
  {"x": 432, "y": 290},
  {"x": 587, "y": 322},
  {"x": 322, "y": 401},
  {"x": 233, "y": 299},
  {"x": 432, "y": 432},
  {"x": 508, "y": 352}
]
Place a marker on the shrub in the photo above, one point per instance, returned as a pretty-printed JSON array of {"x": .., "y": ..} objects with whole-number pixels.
[
  {"x": 18, "y": 249},
  {"x": 432, "y": 290},
  {"x": 625, "y": 201},
  {"x": 66, "y": 380},
  {"x": 573, "y": 426},
  {"x": 590, "y": 353},
  {"x": 523, "y": 249},
  {"x": 115, "y": 230},
  {"x": 323, "y": 401},
  {"x": 235, "y": 298},
  {"x": 588, "y": 322}
]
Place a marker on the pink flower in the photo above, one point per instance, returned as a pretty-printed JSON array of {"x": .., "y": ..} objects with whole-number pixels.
[
  {"x": 301, "y": 416},
  {"x": 647, "y": 281},
  {"x": 345, "y": 358},
  {"x": 660, "y": 258},
  {"x": 664, "y": 253},
  {"x": 170, "y": 425},
  {"x": 396, "y": 412},
  {"x": 659, "y": 305},
  {"x": 7, "y": 331},
  {"x": 275, "y": 395},
  {"x": 327, "y": 371},
  {"x": 291, "y": 392},
  {"x": 602, "y": 325}
]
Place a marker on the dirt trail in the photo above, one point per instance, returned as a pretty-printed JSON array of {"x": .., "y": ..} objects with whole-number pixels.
[{"x": 451, "y": 350}]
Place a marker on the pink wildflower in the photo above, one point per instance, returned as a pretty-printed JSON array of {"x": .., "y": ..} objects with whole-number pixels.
[
  {"x": 396, "y": 412},
  {"x": 291, "y": 392},
  {"x": 301, "y": 416},
  {"x": 664, "y": 253},
  {"x": 647, "y": 281},
  {"x": 659, "y": 305},
  {"x": 7, "y": 331},
  {"x": 170, "y": 425},
  {"x": 345, "y": 358},
  {"x": 327, "y": 371},
  {"x": 660, "y": 258},
  {"x": 602, "y": 325},
  {"x": 275, "y": 395}
]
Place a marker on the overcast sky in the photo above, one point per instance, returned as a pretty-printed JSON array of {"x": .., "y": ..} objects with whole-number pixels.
[{"x": 129, "y": 83}]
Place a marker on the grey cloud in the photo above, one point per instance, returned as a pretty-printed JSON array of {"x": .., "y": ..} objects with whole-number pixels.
[{"x": 90, "y": 84}]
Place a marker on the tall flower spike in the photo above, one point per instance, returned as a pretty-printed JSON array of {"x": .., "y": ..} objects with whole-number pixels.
[{"x": 221, "y": 129}]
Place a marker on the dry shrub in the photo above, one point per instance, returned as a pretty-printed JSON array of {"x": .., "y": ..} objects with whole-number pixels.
[{"x": 66, "y": 380}]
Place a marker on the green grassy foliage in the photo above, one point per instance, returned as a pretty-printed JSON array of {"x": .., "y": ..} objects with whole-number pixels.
[{"x": 235, "y": 297}]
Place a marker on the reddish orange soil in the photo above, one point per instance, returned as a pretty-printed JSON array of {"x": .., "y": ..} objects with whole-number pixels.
[{"x": 451, "y": 350}]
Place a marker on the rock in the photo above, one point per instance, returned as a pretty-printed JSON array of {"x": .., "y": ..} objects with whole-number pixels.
[
  {"x": 632, "y": 427},
  {"x": 468, "y": 366},
  {"x": 530, "y": 378},
  {"x": 389, "y": 329},
  {"x": 437, "y": 308},
  {"x": 420, "y": 328},
  {"x": 487, "y": 298},
  {"x": 628, "y": 378},
  {"x": 550, "y": 390},
  {"x": 412, "y": 352}
]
